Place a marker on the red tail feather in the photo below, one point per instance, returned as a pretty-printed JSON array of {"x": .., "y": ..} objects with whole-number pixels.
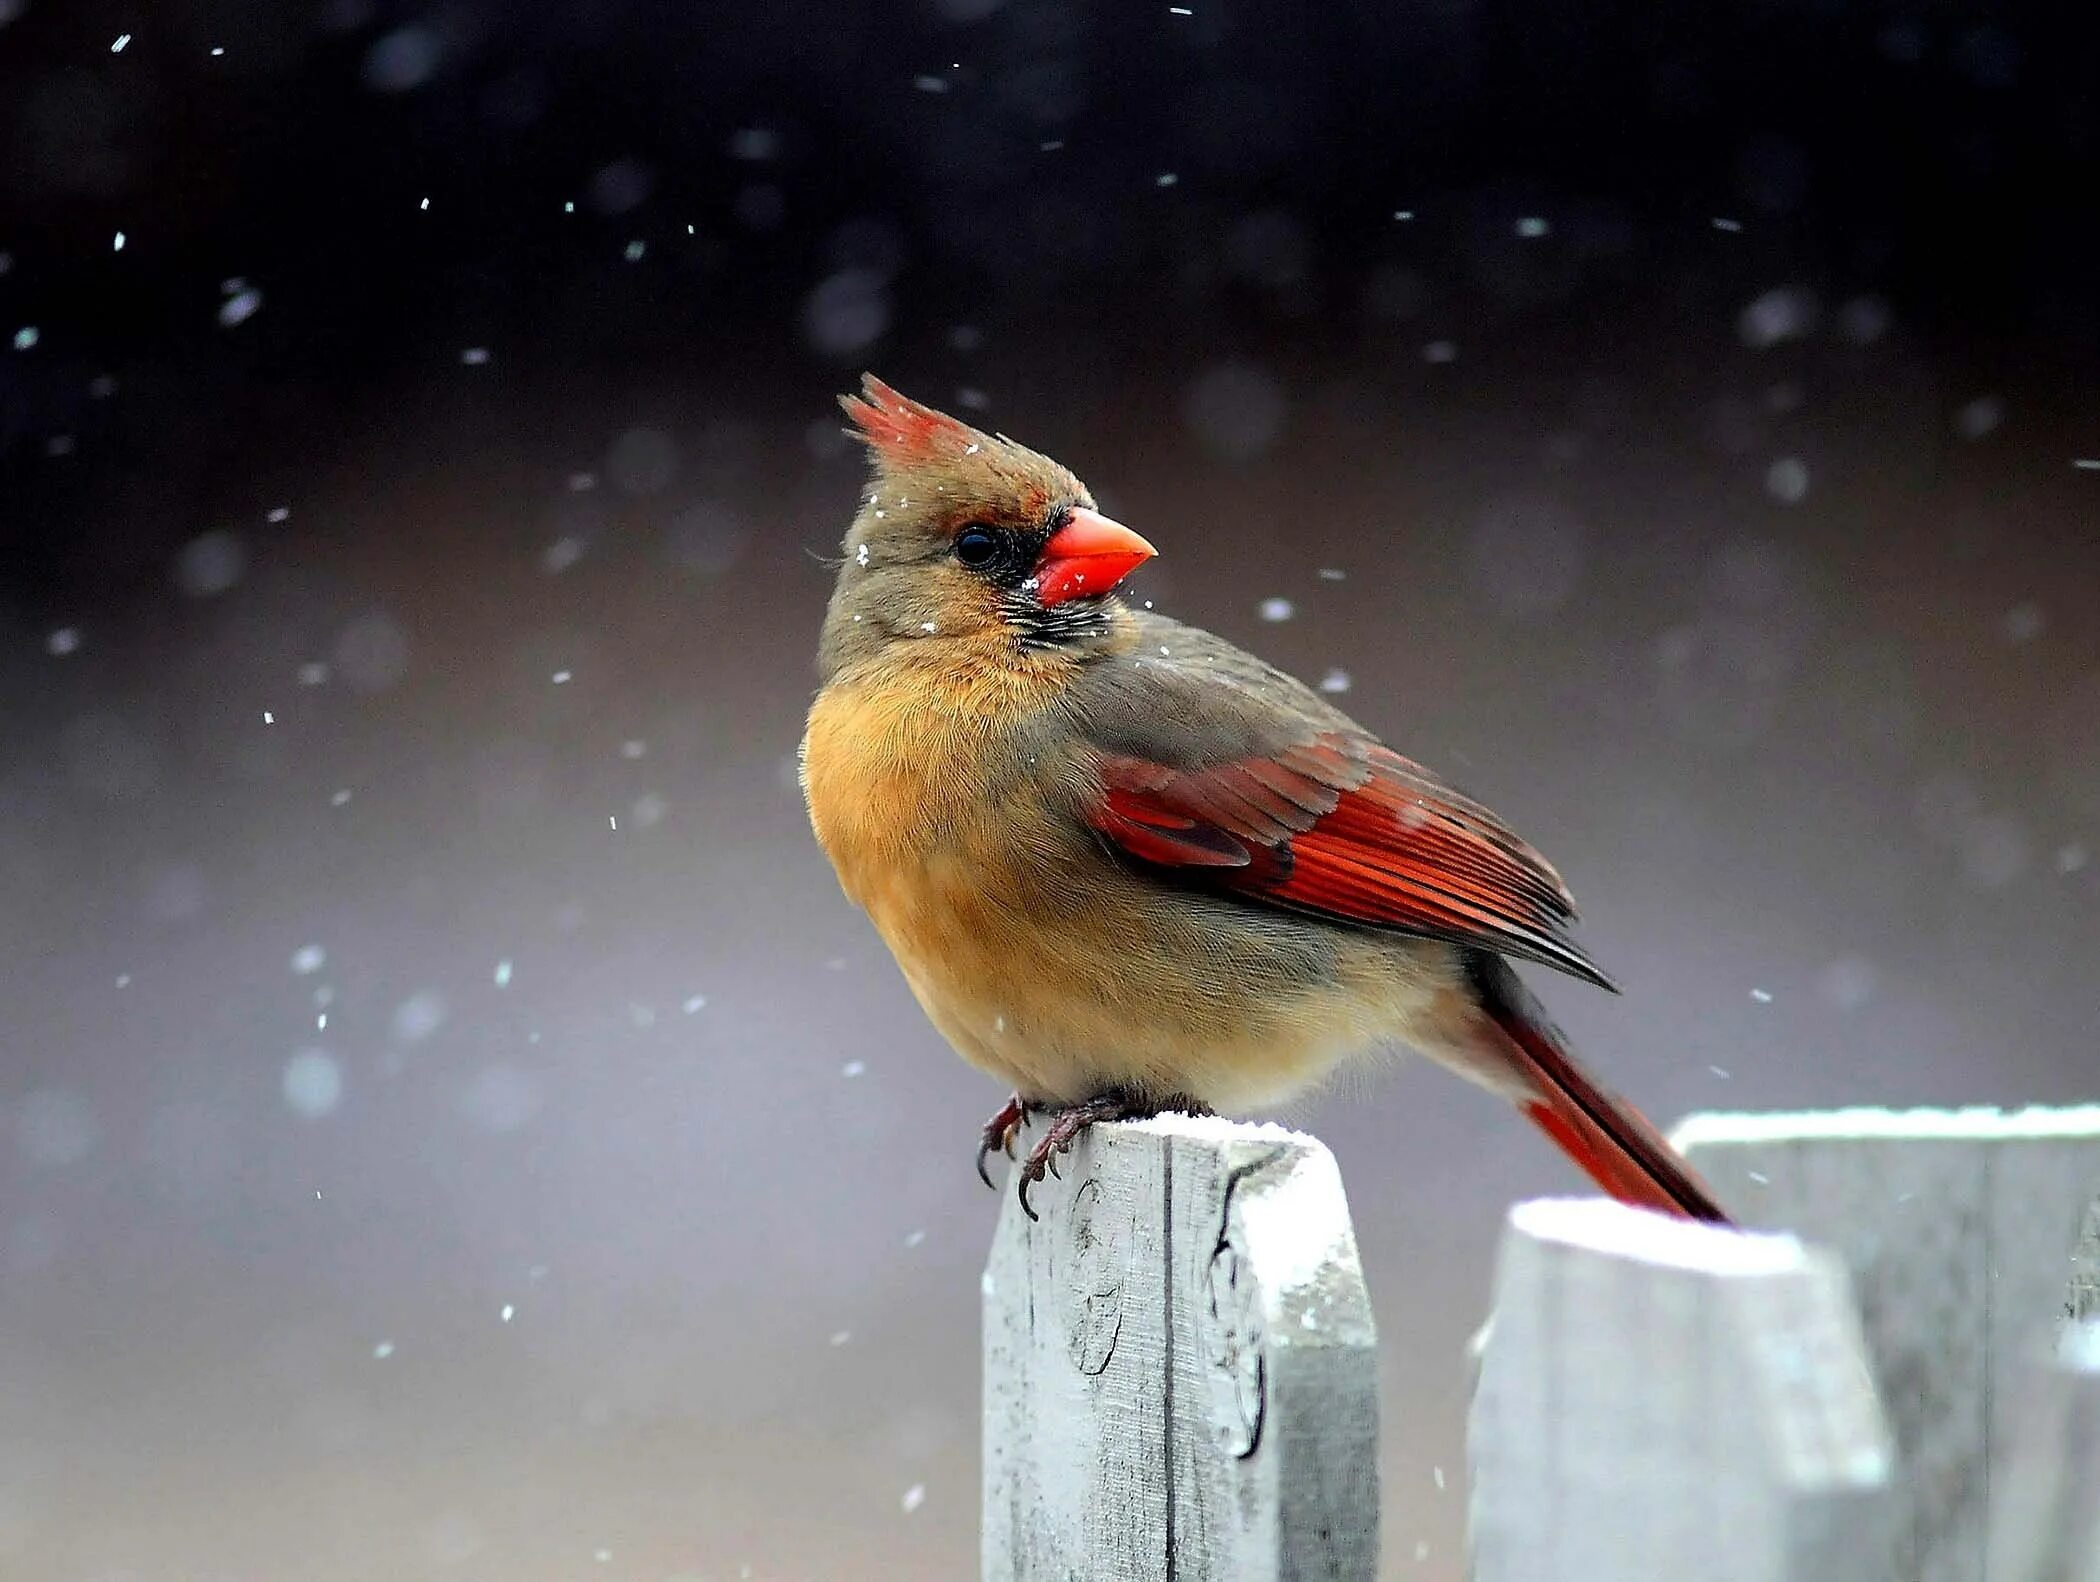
[{"x": 1610, "y": 1140}]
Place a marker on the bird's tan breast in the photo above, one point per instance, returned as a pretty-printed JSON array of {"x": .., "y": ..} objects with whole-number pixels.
[{"x": 951, "y": 822}]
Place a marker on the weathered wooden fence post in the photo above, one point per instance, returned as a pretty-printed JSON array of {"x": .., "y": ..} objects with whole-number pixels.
[
  {"x": 2045, "y": 1525},
  {"x": 1972, "y": 1235},
  {"x": 1666, "y": 1402},
  {"x": 1180, "y": 1370}
]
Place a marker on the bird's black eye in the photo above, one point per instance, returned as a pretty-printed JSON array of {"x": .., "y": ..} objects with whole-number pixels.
[{"x": 976, "y": 547}]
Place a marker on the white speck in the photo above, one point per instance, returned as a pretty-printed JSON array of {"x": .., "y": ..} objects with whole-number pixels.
[
  {"x": 308, "y": 958},
  {"x": 62, "y": 642},
  {"x": 1308, "y": 1319},
  {"x": 2023, "y": 623},
  {"x": 117, "y": 243},
  {"x": 928, "y": 626},
  {"x": 1333, "y": 574},
  {"x": 1164, "y": 649},
  {"x": 2083, "y": 463},
  {"x": 561, "y": 677},
  {"x": 1165, "y": 178},
  {"x": 998, "y": 1024},
  {"x": 2071, "y": 857},
  {"x": 928, "y": 83},
  {"x": 1532, "y": 227},
  {"x": 123, "y": 980},
  {"x": 633, "y": 747},
  {"x": 241, "y": 305},
  {"x": 860, "y": 555},
  {"x": 1727, "y": 225},
  {"x": 1179, "y": 10},
  {"x": 1335, "y": 681},
  {"x": 635, "y": 249},
  {"x": 425, "y": 204},
  {"x": 383, "y": 1350},
  {"x": 1979, "y": 417},
  {"x": 28, "y": 335},
  {"x": 1786, "y": 480},
  {"x": 269, "y": 718},
  {"x": 509, "y": 1312},
  {"x": 279, "y": 513},
  {"x": 418, "y": 1016},
  {"x": 313, "y": 673},
  {"x": 839, "y": 1337},
  {"x": 914, "y": 1497},
  {"x": 1440, "y": 352},
  {"x": 694, "y": 1004},
  {"x": 339, "y": 797},
  {"x": 613, "y": 820},
  {"x": 569, "y": 207},
  {"x": 321, "y": 1023},
  {"x": 117, "y": 46},
  {"x": 1719, "y": 1071},
  {"x": 972, "y": 449},
  {"x": 218, "y": 49},
  {"x": 503, "y": 973},
  {"x": 1761, "y": 996},
  {"x": 914, "y": 1238},
  {"x": 1277, "y": 609},
  {"x": 1784, "y": 313},
  {"x": 1403, "y": 215},
  {"x": 313, "y": 1083},
  {"x": 853, "y": 1068},
  {"x": 474, "y": 356},
  {"x": 1759, "y": 1177},
  {"x": 1438, "y": 1474}
]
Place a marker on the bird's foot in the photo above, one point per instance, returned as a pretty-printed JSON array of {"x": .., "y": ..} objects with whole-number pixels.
[
  {"x": 1066, "y": 1125},
  {"x": 999, "y": 1133}
]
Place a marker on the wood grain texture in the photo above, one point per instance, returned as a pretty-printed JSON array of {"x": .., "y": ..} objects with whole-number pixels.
[
  {"x": 1180, "y": 1368},
  {"x": 2046, "y": 1524},
  {"x": 1971, "y": 1237},
  {"x": 1664, "y": 1400}
]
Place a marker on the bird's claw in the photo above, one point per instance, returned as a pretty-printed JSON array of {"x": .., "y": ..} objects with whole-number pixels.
[{"x": 998, "y": 1135}]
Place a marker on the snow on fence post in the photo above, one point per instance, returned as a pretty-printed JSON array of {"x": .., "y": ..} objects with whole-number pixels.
[
  {"x": 1180, "y": 1370},
  {"x": 2045, "y": 1525},
  {"x": 1664, "y": 1400},
  {"x": 1972, "y": 1235}
]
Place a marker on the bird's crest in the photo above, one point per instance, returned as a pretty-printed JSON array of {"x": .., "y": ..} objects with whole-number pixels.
[{"x": 903, "y": 432}]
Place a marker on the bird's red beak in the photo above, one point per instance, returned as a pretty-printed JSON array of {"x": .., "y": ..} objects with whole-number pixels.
[{"x": 1089, "y": 554}]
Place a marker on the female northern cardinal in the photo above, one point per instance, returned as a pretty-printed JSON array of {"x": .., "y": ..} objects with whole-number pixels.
[{"x": 1127, "y": 867}]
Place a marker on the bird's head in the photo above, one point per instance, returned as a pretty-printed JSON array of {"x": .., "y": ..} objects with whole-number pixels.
[{"x": 963, "y": 534}]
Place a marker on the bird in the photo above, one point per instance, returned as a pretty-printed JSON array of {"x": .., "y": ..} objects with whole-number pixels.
[{"x": 1126, "y": 867}]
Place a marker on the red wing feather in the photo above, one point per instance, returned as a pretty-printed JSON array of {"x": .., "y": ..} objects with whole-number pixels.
[{"x": 1341, "y": 827}]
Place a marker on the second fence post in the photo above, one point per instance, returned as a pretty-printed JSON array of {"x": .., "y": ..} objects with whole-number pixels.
[{"x": 1665, "y": 1400}]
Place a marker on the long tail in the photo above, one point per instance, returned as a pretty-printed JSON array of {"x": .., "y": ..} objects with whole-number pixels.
[{"x": 1610, "y": 1140}]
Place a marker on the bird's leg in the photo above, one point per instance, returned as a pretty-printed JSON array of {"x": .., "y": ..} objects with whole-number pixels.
[
  {"x": 1066, "y": 1124},
  {"x": 999, "y": 1133}
]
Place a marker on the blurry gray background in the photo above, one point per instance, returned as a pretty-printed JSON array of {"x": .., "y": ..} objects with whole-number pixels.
[{"x": 451, "y": 1125}]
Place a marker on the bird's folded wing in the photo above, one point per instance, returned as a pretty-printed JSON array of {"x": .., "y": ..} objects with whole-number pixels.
[{"x": 1300, "y": 810}]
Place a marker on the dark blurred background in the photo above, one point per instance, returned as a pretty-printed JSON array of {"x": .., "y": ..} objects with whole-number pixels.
[{"x": 451, "y": 1125}]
